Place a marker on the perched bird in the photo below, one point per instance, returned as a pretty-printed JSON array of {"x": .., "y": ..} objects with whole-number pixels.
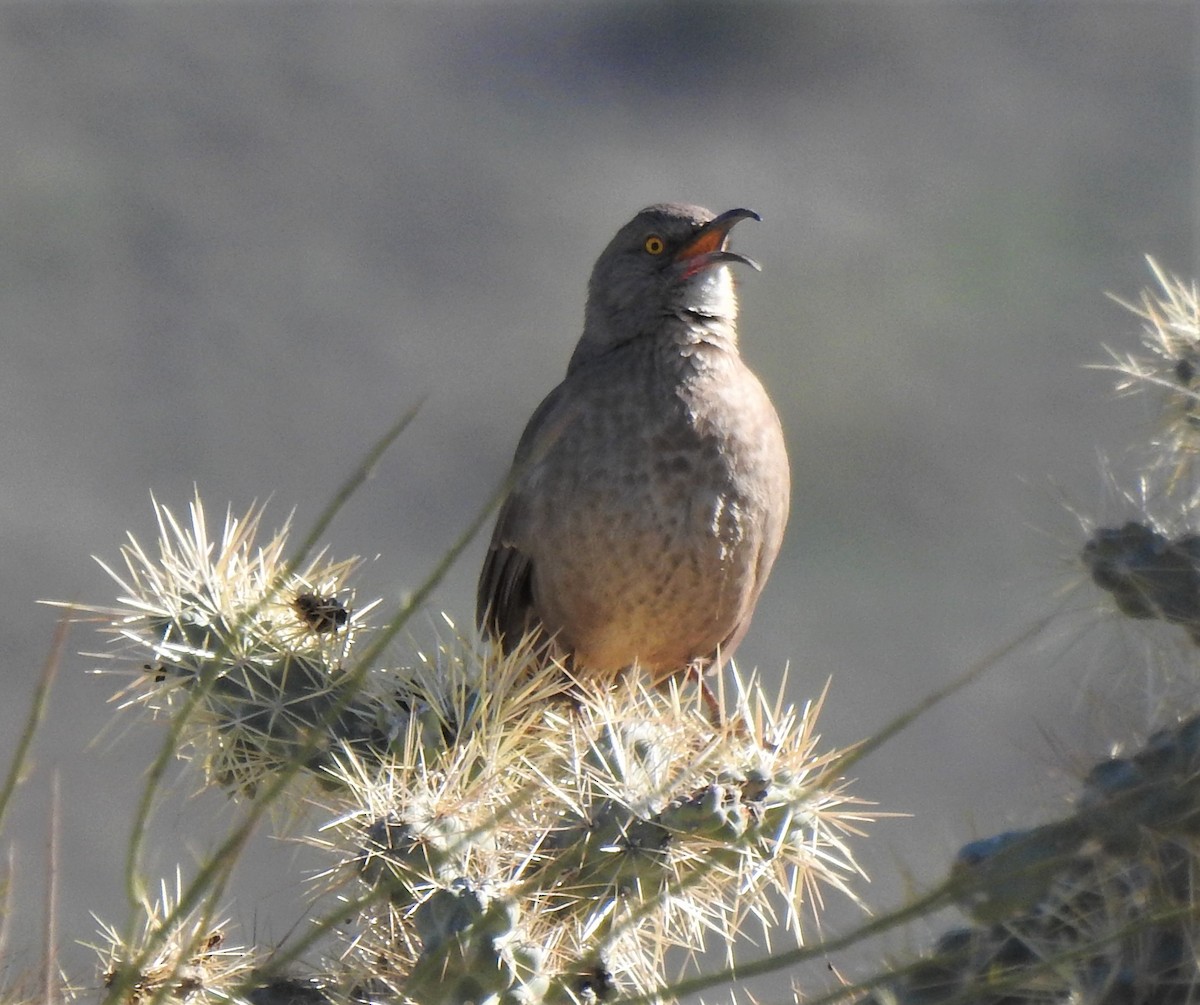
[{"x": 650, "y": 488}]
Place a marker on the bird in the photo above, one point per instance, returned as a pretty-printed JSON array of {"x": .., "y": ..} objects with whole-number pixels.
[{"x": 650, "y": 489}]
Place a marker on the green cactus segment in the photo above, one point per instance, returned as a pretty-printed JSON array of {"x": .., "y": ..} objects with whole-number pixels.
[
  {"x": 471, "y": 951},
  {"x": 1096, "y": 908},
  {"x": 1147, "y": 573}
]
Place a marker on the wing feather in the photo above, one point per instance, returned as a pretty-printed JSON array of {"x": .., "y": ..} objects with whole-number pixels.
[{"x": 505, "y": 607}]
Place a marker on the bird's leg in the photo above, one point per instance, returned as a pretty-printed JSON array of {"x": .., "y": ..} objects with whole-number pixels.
[{"x": 695, "y": 671}]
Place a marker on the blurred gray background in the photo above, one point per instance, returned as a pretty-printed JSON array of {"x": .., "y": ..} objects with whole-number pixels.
[{"x": 238, "y": 239}]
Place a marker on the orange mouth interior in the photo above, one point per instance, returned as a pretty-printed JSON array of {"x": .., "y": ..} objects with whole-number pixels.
[{"x": 709, "y": 240}]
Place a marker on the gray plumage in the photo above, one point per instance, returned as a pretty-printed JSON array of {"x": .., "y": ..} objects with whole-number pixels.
[{"x": 651, "y": 486}]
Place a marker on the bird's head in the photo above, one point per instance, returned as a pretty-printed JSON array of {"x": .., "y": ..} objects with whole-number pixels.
[{"x": 669, "y": 261}]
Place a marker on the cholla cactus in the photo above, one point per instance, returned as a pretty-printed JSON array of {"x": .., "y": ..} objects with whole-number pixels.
[
  {"x": 1103, "y": 906},
  {"x": 1151, "y": 565},
  {"x": 247, "y": 653},
  {"x": 1098, "y": 908},
  {"x": 174, "y": 955},
  {"x": 1168, "y": 367},
  {"x": 498, "y": 831},
  {"x": 620, "y": 826}
]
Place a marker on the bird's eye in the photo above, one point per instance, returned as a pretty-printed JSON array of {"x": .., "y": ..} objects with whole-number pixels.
[{"x": 654, "y": 245}]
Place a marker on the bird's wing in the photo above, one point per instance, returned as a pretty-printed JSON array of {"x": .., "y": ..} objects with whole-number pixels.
[{"x": 504, "y": 599}]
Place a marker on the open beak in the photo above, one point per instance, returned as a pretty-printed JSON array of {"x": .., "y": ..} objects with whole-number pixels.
[{"x": 707, "y": 248}]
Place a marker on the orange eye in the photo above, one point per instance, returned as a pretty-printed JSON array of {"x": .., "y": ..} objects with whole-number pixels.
[{"x": 654, "y": 245}]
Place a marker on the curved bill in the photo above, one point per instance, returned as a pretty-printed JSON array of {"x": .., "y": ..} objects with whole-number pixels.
[{"x": 707, "y": 248}]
